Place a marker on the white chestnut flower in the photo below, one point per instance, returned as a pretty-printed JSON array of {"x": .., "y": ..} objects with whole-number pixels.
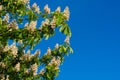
[
  {"x": 0, "y": 7},
  {"x": 58, "y": 9},
  {"x": 14, "y": 49},
  {"x": 53, "y": 23},
  {"x": 36, "y": 8},
  {"x": 33, "y": 68},
  {"x": 7, "y": 77},
  {"x": 6, "y": 48},
  {"x": 45, "y": 23},
  {"x": 6, "y": 18},
  {"x": 13, "y": 24},
  {"x": 17, "y": 67},
  {"x": 66, "y": 13},
  {"x": 24, "y": 1},
  {"x": 32, "y": 26},
  {"x": 47, "y": 9}
]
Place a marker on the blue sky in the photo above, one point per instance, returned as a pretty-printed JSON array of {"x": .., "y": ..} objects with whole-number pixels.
[{"x": 95, "y": 26}]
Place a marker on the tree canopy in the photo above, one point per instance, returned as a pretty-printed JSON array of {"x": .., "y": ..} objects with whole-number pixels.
[{"x": 19, "y": 23}]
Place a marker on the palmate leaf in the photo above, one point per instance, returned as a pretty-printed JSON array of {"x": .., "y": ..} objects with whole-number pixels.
[{"x": 65, "y": 30}]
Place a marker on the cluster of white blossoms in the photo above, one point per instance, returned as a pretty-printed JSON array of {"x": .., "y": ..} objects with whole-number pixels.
[
  {"x": 2, "y": 77},
  {"x": 13, "y": 49},
  {"x": 53, "y": 22},
  {"x": 34, "y": 68},
  {"x": 13, "y": 24},
  {"x": 28, "y": 56},
  {"x": 2, "y": 64},
  {"x": 58, "y": 9},
  {"x": 24, "y": 1},
  {"x": 25, "y": 57},
  {"x": 45, "y": 23},
  {"x": 6, "y": 18},
  {"x": 31, "y": 26},
  {"x": 55, "y": 61},
  {"x": 66, "y": 13},
  {"x": 67, "y": 40},
  {"x": 36, "y": 8},
  {"x": 0, "y": 7},
  {"x": 47, "y": 9},
  {"x": 17, "y": 67}
]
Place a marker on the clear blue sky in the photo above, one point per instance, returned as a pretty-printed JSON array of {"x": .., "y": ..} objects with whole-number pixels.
[{"x": 95, "y": 26}]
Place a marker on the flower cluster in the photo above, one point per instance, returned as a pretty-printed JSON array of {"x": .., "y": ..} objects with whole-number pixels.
[
  {"x": 53, "y": 22},
  {"x": 45, "y": 23},
  {"x": 58, "y": 9},
  {"x": 17, "y": 67},
  {"x": 33, "y": 68},
  {"x": 28, "y": 57},
  {"x": 25, "y": 57},
  {"x": 47, "y": 9},
  {"x": 0, "y": 7},
  {"x": 6, "y": 18},
  {"x": 36, "y": 8},
  {"x": 13, "y": 49},
  {"x": 2, "y": 77},
  {"x": 32, "y": 26},
  {"x": 24, "y": 1},
  {"x": 2, "y": 64},
  {"x": 55, "y": 61},
  {"x": 66, "y": 13},
  {"x": 13, "y": 25}
]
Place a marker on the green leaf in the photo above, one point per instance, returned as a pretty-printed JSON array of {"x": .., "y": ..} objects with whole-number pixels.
[{"x": 71, "y": 50}]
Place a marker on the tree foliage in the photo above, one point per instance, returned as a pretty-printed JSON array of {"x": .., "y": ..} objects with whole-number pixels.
[{"x": 15, "y": 63}]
